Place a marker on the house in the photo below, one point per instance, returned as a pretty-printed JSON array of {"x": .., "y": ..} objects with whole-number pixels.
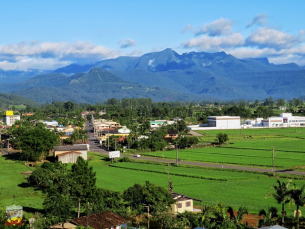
[
  {"x": 101, "y": 220},
  {"x": 70, "y": 153},
  {"x": 183, "y": 203},
  {"x": 171, "y": 135},
  {"x": 123, "y": 132},
  {"x": 159, "y": 123}
]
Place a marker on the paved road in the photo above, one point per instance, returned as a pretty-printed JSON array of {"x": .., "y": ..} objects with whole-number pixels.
[
  {"x": 95, "y": 147},
  {"x": 93, "y": 142}
]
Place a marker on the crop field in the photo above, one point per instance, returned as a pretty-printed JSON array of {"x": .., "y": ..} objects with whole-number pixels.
[
  {"x": 250, "y": 150},
  {"x": 233, "y": 188},
  {"x": 258, "y": 131}
]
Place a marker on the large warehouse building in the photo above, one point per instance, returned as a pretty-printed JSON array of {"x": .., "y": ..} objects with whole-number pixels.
[{"x": 224, "y": 122}]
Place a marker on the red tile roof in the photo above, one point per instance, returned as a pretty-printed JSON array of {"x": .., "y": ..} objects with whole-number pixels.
[{"x": 100, "y": 220}]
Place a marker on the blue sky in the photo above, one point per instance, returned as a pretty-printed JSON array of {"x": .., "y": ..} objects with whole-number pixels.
[{"x": 50, "y": 34}]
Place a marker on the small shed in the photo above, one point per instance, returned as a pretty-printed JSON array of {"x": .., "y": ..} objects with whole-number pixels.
[
  {"x": 81, "y": 148},
  {"x": 69, "y": 157}
]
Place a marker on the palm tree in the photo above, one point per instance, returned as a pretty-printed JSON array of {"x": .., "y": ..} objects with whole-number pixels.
[
  {"x": 239, "y": 216},
  {"x": 281, "y": 195},
  {"x": 298, "y": 198},
  {"x": 269, "y": 218}
]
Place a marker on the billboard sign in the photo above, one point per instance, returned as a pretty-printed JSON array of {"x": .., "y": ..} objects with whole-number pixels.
[
  {"x": 114, "y": 154},
  {"x": 14, "y": 214}
]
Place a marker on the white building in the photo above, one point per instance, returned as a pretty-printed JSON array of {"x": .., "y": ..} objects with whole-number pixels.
[
  {"x": 9, "y": 118},
  {"x": 253, "y": 122},
  {"x": 284, "y": 120},
  {"x": 159, "y": 123},
  {"x": 224, "y": 122}
]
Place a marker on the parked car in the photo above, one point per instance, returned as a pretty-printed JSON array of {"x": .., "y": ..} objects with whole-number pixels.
[{"x": 137, "y": 155}]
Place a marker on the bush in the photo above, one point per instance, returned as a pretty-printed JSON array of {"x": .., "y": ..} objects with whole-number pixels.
[
  {"x": 125, "y": 159},
  {"x": 221, "y": 138}
]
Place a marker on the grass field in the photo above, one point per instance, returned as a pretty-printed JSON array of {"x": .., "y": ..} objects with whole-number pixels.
[
  {"x": 252, "y": 149},
  {"x": 13, "y": 183}
]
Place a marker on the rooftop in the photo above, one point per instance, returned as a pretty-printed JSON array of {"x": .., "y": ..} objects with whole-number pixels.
[
  {"x": 100, "y": 220},
  {"x": 71, "y": 148}
]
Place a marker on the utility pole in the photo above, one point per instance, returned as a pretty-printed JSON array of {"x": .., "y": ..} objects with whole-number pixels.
[
  {"x": 177, "y": 153},
  {"x": 273, "y": 161},
  {"x": 108, "y": 139},
  {"x": 87, "y": 216}
]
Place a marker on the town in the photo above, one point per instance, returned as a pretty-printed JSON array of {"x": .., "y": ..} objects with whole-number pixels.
[{"x": 68, "y": 165}]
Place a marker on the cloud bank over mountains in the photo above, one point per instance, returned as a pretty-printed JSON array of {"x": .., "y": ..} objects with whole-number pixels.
[
  {"x": 278, "y": 46},
  {"x": 50, "y": 55},
  {"x": 254, "y": 39}
]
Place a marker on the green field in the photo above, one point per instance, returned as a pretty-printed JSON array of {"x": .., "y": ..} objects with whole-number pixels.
[
  {"x": 252, "y": 149},
  {"x": 13, "y": 183},
  {"x": 18, "y": 107},
  {"x": 234, "y": 188}
]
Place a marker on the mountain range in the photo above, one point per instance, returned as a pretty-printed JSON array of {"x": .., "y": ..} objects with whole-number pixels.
[{"x": 164, "y": 76}]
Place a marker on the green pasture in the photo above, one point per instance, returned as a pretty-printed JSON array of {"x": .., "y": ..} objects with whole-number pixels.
[
  {"x": 13, "y": 183},
  {"x": 18, "y": 107}
]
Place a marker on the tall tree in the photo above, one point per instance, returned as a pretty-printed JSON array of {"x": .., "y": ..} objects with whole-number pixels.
[
  {"x": 83, "y": 179},
  {"x": 298, "y": 198},
  {"x": 281, "y": 195},
  {"x": 139, "y": 196},
  {"x": 35, "y": 142}
]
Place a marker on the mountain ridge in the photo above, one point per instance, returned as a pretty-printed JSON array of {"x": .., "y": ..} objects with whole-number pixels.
[{"x": 187, "y": 76}]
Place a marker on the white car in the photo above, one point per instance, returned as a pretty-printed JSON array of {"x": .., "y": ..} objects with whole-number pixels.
[{"x": 137, "y": 155}]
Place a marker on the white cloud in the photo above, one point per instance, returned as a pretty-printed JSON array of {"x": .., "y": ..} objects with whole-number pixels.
[
  {"x": 208, "y": 43},
  {"x": 266, "y": 37},
  {"x": 216, "y": 28},
  {"x": 50, "y": 55},
  {"x": 126, "y": 43},
  {"x": 188, "y": 28},
  {"x": 259, "y": 19},
  {"x": 246, "y": 52}
]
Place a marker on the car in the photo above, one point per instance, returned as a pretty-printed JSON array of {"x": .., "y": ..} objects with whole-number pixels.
[{"x": 137, "y": 155}]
